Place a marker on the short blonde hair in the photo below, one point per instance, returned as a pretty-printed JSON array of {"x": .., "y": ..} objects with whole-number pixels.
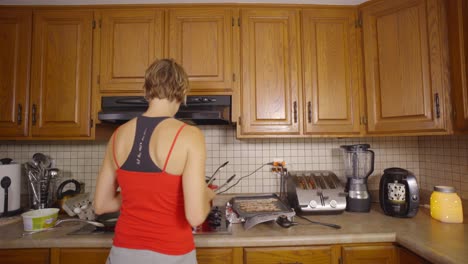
[{"x": 165, "y": 79}]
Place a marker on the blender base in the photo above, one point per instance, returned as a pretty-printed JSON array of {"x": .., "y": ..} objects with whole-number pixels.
[{"x": 358, "y": 205}]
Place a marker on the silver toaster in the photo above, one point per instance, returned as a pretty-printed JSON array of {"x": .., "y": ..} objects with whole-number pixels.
[{"x": 315, "y": 192}]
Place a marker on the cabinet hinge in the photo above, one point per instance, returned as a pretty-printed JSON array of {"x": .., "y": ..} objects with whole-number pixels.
[
  {"x": 233, "y": 77},
  {"x": 239, "y": 121},
  {"x": 437, "y": 105},
  {"x": 94, "y": 24},
  {"x": 91, "y": 123},
  {"x": 99, "y": 79},
  {"x": 238, "y": 21},
  {"x": 359, "y": 20}
]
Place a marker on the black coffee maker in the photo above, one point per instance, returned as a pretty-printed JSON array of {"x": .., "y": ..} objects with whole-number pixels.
[{"x": 399, "y": 193}]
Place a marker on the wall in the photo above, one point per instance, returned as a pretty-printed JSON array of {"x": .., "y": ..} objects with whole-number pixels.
[{"x": 438, "y": 160}]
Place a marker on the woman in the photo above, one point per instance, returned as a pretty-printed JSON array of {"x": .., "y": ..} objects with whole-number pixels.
[{"x": 159, "y": 164}]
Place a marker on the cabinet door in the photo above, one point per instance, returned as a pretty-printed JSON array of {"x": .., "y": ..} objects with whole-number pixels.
[
  {"x": 79, "y": 255},
  {"x": 331, "y": 73},
  {"x": 219, "y": 255},
  {"x": 304, "y": 255},
  {"x": 15, "y": 57},
  {"x": 21, "y": 256},
  {"x": 61, "y": 73},
  {"x": 201, "y": 40},
  {"x": 385, "y": 254},
  {"x": 270, "y": 72},
  {"x": 405, "y": 66},
  {"x": 458, "y": 34},
  {"x": 407, "y": 257},
  {"x": 130, "y": 41}
]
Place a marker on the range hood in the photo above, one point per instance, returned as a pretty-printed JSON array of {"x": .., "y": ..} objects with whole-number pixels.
[{"x": 199, "y": 110}]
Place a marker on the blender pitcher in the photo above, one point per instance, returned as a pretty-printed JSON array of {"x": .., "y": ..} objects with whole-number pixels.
[{"x": 358, "y": 165}]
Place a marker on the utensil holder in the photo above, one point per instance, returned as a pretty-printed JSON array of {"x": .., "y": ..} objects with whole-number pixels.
[{"x": 42, "y": 193}]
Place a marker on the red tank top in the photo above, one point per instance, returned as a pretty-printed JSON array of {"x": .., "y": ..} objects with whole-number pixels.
[{"x": 152, "y": 214}]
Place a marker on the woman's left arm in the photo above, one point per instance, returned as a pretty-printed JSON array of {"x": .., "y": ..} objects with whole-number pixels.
[{"x": 106, "y": 197}]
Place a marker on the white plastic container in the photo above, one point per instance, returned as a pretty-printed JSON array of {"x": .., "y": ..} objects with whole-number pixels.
[{"x": 40, "y": 219}]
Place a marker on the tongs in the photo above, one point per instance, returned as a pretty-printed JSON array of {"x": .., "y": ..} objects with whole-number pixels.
[
  {"x": 226, "y": 183},
  {"x": 212, "y": 178}
]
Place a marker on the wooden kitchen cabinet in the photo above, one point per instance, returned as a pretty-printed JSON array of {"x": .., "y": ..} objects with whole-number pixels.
[
  {"x": 407, "y": 257},
  {"x": 61, "y": 74},
  {"x": 21, "y": 256},
  {"x": 458, "y": 37},
  {"x": 200, "y": 39},
  {"x": 79, "y": 255},
  {"x": 131, "y": 39},
  {"x": 330, "y": 71},
  {"x": 219, "y": 255},
  {"x": 304, "y": 255},
  {"x": 369, "y": 254},
  {"x": 406, "y": 67},
  {"x": 270, "y": 66},
  {"x": 15, "y": 64}
]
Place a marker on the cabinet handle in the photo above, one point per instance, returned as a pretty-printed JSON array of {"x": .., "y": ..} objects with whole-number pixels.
[
  {"x": 437, "y": 105},
  {"x": 20, "y": 114},
  {"x": 290, "y": 262},
  {"x": 295, "y": 111},
  {"x": 33, "y": 110},
  {"x": 309, "y": 111}
]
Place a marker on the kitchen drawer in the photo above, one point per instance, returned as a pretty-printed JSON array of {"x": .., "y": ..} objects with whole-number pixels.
[
  {"x": 79, "y": 255},
  {"x": 20, "y": 256},
  {"x": 219, "y": 255},
  {"x": 299, "y": 255}
]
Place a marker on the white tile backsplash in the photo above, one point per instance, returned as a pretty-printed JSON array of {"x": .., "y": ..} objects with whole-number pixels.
[{"x": 434, "y": 160}]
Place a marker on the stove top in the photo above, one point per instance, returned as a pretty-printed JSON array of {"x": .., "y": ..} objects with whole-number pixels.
[{"x": 215, "y": 223}]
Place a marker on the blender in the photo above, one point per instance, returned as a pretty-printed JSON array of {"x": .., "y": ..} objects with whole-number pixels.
[{"x": 358, "y": 165}]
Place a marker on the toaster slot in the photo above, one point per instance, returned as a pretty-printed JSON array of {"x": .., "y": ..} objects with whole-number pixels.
[
  {"x": 329, "y": 181},
  {"x": 311, "y": 182},
  {"x": 320, "y": 182}
]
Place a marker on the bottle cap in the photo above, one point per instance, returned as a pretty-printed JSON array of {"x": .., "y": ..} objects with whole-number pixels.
[{"x": 444, "y": 189}]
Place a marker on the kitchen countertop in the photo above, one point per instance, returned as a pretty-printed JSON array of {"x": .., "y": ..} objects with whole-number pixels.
[{"x": 433, "y": 240}]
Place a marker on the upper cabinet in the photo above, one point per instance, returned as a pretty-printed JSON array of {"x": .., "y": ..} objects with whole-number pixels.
[
  {"x": 131, "y": 39},
  {"x": 15, "y": 57},
  {"x": 406, "y": 67},
  {"x": 200, "y": 39},
  {"x": 270, "y": 66},
  {"x": 330, "y": 71},
  {"x": 61, "y": 74},
  {"x": 458, "y": 34}
]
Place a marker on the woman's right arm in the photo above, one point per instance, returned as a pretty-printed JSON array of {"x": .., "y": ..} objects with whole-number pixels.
[
  {"x": 106, "y": 197},
  {"x": 197, "y": 196}
]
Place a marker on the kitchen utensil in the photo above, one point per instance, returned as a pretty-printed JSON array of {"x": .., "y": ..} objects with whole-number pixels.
[
  {"x": 359, "y": 165},
  {"x": 315, "y": 192},
  {"x": 399, "y": 193},
  {"x": 446, "y": 205},
  {"x": 209, "y": 180},
  {"x": 226, "y": 183},
  {"x": 10, "y": 191},
  {"x": 42, "y": 160},
  {"x": 256, "y": 209}
]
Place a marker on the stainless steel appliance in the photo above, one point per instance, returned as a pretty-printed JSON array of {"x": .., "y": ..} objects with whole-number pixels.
[
  {"x": 315, "y": 192},
  {"x": 202, "y": 110},
  {"x": 358, "y": 166},
  {"x": 399, "y": 193}
]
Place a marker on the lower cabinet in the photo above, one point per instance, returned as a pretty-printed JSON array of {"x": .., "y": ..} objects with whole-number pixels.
[
  {"x": 20, "y": 256},
  {"x": 372, "y": 253},
  {"x": 79, "y": 255},
  {"x": 309, "y": 255},
  {"x": 369, "y": 254},
  {"x": 219, "y": 255}
]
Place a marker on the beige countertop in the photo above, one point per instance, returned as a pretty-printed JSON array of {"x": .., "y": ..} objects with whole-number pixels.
[{"x": 433, "y": 240}]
